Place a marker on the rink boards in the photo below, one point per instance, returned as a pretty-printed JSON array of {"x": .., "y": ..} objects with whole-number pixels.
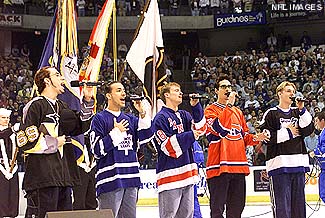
[{"x": 256, "y": 188}]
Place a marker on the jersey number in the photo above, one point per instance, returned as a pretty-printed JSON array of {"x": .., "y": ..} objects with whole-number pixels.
[{"x": 30, "y": 134}]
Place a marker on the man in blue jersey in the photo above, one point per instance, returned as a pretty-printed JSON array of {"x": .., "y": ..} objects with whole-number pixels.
[
  {"x": 175, "y": 133},
  {"x": 319, "y": 151},
  {"x": 286, "y": 158},
  {"x": 114, "y": 139}
]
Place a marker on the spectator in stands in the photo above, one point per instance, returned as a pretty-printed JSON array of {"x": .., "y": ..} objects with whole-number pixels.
[
  {"x": 163, "y": 7},
  {"x": 9, "y": 185},
  {"x": 224, "y": 6},
  {"x": 260, "y": 79},
  {"x": 263, "y": 59},
  {"x": 122, "y": 49},
  {"x": 321, "y": 102},
  {"x": 90, "y": 9},
  {"x": 135, "y": 7},
  {"x": 287, "y": 41},
  {"x": 214, "y": 7},
  {"x": 185, "y": 57},
  {"x": 4, "y": 100},
  {"x": 204, "y": 7},
  {"x": 272, "y": 41},
  {"x": 121, "y": 8},
  {"x": 24, "y": 51},
  {"x": 305, "y": 41},
  {"x": 195, "y": 8},
  {"x": 81, "y": 4},
  {"x": 252, "y": 103},
  {"x": 174, "y": 5},
  {"x": 313, "y": 107},
  {"x": 15, "y": 51},
  {"x": 311, "y": 141}
]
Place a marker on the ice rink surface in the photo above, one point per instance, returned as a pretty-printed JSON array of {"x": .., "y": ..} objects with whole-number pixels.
[{"x": 250, "y": 211}]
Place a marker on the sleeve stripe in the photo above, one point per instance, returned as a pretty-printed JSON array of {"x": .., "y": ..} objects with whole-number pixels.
[
  {"x": 217, "y": 126},
  {"x": 144, "y": 123},
  {"x": 171, "y": 147},
  {"x": 305, "y": 119},
  {"x": 200, "y": 124},
  {"x": 290, "y": 133},
  {"x": 101, "y": 147}
]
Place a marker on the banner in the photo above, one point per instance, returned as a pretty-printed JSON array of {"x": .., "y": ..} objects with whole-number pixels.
[
  {"x": 296, "y": 11},
  {"x": 11, "y": 20},
  {"x": 242, "y": 19}
]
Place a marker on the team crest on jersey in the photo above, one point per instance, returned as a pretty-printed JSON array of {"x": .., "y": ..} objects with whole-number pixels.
[
  {"x": 126, "y": 144},
  {"x": 286, "y": 122},
  {"x": 210, "y": 121},
  {"x": 235, "y": 133},
  {"x": 178, "y": 127}
]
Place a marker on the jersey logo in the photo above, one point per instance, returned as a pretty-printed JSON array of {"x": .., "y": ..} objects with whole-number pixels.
[
  {"x": 126, "y": 144},
  {"x": 178, "y": 127},
  {"x": 235, "y": 133},
  {"x": 286, "y": 122},
  {"x": 55, "y": 117}
]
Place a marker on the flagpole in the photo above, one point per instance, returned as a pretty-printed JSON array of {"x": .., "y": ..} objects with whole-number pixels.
[
  {"x": 145, "y": 8},
  {"x": 12, "y": 164},
  {"x": 114, "y": 43}
]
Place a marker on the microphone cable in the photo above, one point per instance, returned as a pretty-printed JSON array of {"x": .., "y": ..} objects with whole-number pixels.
[{"x": 314, "y": 173}]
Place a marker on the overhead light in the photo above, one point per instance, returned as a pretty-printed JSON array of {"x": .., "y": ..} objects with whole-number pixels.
[{"x": 183, "y": 32}]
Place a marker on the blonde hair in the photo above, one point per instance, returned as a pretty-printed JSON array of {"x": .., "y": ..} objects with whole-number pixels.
[
  {"x": 166, "y": 89},
  {"x": 283, "y": 85}
]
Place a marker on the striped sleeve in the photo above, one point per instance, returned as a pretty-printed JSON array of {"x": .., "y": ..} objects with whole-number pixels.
[
  {"x": 101, "y": 141},
  {"x": 145, "y": 132},
  {"x": 199, "y": 121},
  {"x": 87, "y": 109},
  {"x": 218, "y": 121},
  {"x": 268, "y": 126}
]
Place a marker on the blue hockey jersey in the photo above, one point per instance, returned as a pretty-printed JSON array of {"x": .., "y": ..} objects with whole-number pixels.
[
  {"x": 115, "y": 151},
  {"x": 174, "y": 138}
]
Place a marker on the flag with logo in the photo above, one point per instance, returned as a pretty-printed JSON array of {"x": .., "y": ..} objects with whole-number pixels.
[
  {"x": 146, "y": 53},
  {"x": 60, "y": 51}
]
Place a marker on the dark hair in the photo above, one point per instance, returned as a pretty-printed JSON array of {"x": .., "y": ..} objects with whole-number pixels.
[
  {"x": 320, "y": 115},
  {"x": 108, "y": 88},
  {"x": 221, "y": 78},
  {"x": 39, "y": 77}
]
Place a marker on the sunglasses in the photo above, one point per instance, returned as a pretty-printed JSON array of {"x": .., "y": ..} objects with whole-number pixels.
[{"x": 225, "y": 86}]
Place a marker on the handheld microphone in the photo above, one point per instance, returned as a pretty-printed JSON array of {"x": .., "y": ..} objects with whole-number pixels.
[
  {"x": 77, "y": 83},
  {"x": 189, "y": 97},
  {"x": 134, "y": 98},
  {"x": 299, "y": 99}
]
